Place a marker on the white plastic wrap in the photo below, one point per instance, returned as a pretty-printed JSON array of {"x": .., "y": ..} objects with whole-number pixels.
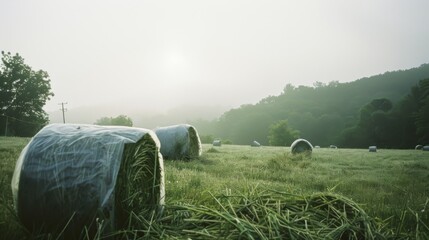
[
  {"x": 301, "y": 146},
  {"x": 179, "y": 141},
  {"x": 70, "y": 170}
]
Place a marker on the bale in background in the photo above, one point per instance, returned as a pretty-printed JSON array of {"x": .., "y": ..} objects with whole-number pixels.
[
  {"x": 425, "y": 148},
  {"x": 255, "y": 144},
  {"x": 372, "y": 148},
  {"x": 418, "y": 147},
  {"x": 217, "y": 143},
  {"x": 301, "y": 146},
  {"x": 84, "y": 175},
  {"x": 179, "y": 141}
]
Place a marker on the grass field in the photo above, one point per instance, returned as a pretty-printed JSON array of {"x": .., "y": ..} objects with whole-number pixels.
[{"x": 392, "y": 186}]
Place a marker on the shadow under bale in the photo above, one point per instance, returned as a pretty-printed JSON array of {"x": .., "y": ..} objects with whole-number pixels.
[{"x": 75, "y": 177}]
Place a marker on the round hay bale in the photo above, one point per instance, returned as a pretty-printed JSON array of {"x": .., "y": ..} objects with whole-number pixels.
[
  {"x": 76, "y": 174},
  {"x": 372, "y": 148},
  {"x": 217, "y": 143},
  {"x": 333, "y": 146},
  {"x": 255, "y": 144},
  {"x": 418, "y": 147},
  {"x": 425, "y": 148},
  {"x": 179, "y": 142},
  {"x": 301, "y": 146}
]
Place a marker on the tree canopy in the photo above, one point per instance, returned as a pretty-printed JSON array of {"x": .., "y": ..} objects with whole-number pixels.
[
  {"x": 120, "y": 120},
  {"x": 389, "y": 110},
  {"x": 23, "y": 93},
  {"x": 281, "y": 134}
]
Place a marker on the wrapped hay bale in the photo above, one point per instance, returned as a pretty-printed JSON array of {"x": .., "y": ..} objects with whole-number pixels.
[
  {"x": 418, "y": 147},
  {"x": 425, "y": 148},
  {"x": 255, "y": 144},
  {"x": 217, "y": 143},
  {"x": 179, "y": 141},
  {"x": 301, "y": 146},
  {"x": 73, "y": 174},
  {"x": 372, "y": 149}
]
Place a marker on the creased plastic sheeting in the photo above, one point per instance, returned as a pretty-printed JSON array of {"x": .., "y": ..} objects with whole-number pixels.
[
  {"x": 69, "y": 169},
  {"x": 179, "y": 141}
]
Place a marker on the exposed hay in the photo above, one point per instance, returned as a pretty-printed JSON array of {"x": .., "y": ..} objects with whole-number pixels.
[
  {"x": 372, "y": 149},
  {"x": 301, "y": 146},
  {"x": 217, "y": 143},
  {"x": 271, "y": 215},
  {"x": 179, "y": 142},
  {"x": 86, "y": 176}
]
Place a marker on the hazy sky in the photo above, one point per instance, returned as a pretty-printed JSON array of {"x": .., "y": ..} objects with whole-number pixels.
[{"x": 161, "y": 54}]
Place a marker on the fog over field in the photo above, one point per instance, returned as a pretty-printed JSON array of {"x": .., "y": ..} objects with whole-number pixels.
[{"x": 145, "y": 58}]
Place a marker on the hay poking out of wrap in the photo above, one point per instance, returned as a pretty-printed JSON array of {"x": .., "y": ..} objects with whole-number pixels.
[
  {"x": 82, "y": 175},
  {"x": 179, "y": 141}
]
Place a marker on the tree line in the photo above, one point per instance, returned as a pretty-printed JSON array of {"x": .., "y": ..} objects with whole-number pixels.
[{"x": 389, "y": 110}]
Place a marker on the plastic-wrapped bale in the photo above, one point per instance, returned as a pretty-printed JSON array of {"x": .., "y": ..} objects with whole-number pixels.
[
  {"x": 179, "y": 141},
  {"x": 301, "y": 146},
  {"x": 418, "y": 147},
  {"x": 85, "y": 172},
  {"x": 372, "y": 149},
  {"x": 425, "y": 148},
  {"x": 255, "y": 144},
  {"x": 217, "y": 143}
]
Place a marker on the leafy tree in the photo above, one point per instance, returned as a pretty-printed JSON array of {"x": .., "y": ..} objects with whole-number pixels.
[
  {"x": 120, "y": 120},
  {"x": 422, "y": 116},
  {"x": 23, "y": 93},
  {"x": 281, "y": 134}
]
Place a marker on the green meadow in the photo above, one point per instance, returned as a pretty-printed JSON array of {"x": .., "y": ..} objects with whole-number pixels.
[{"x": 391, "y": 186}]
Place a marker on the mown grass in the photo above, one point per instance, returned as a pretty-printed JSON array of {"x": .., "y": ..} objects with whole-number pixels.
[{"x": 390, "y": 185}]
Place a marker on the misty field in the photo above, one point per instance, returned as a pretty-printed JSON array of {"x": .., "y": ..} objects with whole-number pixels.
[{"x": 392, "y": 186}]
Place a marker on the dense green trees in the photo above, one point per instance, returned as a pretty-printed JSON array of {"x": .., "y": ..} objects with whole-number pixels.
[
  {"x": 120, "y": 120},
  {"x": 23, "y": 93},
  {"x": 281, "y": 134},
  {"x": 388, "y": 110}
]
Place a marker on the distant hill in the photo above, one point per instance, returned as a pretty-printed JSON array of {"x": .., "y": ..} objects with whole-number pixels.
[{"x": 321, "y": 112}]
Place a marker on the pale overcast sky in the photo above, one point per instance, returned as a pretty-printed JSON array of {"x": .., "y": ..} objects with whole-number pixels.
[{"x": 161, "y": 54}]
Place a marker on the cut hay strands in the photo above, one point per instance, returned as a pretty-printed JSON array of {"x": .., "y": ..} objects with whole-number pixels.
[
  {"x": 98, "y": 175},
  {"x": 179, "y": 141},
  {"x": 271, "y": 216}
]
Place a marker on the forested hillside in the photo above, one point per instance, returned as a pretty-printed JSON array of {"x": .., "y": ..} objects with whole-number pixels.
[{"x": 367, "y": 111}]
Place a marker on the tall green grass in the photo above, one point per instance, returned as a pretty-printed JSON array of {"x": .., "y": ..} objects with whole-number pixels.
[{"x": 391, "y": 187}]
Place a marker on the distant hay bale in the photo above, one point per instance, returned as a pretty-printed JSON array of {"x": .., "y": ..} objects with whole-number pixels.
[
  {"x": 217, "y": 143},
  {"x": 333, "y": 146},
  {"x": 301, "y": 146},
  {"x": 85, "y": 172},
  {"x": 255, "y": 144},
  {"x": 372, "y": 148},
  {"x": 317, "y": 146},
  {"x": 418, "y": 147},
  {"x": 425, "y": 148},
  {"x": 179, "y": 141}
]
